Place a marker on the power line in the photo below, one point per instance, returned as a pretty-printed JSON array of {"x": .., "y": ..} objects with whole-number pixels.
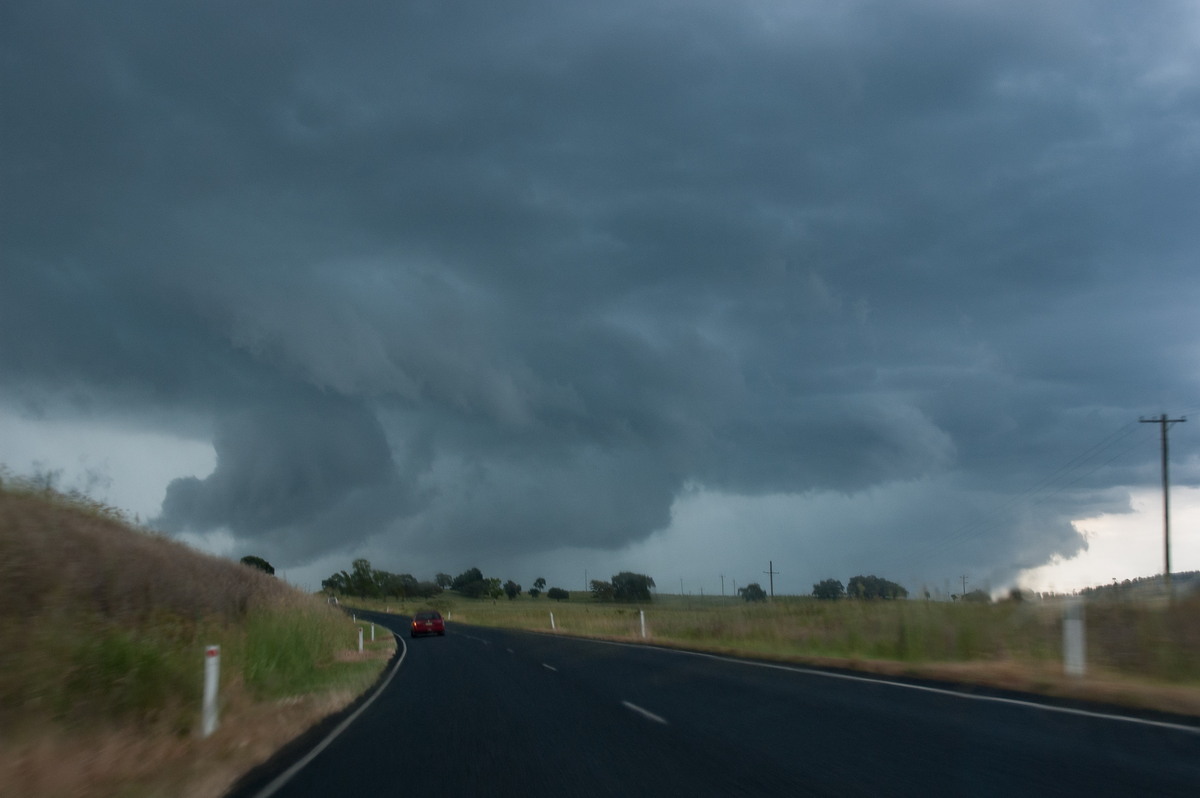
[
  {"x": 1053, "y": 485},
  {"x": 1164, "y": 424},
  {"x": 771, "y": 573}
]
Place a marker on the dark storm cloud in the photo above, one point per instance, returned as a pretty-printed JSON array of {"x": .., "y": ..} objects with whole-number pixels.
[
  {"x": 511, "y": 276},
  {"x": 282, "y": 468}
]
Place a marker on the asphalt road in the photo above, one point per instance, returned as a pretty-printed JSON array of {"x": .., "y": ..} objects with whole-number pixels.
[{"x": 485, "y": 712}]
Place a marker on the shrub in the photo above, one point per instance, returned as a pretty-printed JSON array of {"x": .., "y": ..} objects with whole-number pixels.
[
  {"x": 829, "y": 589},
  {"x": 753, "y": 592}
]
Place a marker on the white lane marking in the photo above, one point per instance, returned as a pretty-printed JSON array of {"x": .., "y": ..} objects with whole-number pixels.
[
  {"x": 550, "y": 667},
  {"x": 510, "y": 651},
  {"x": 645, "y": 713},
  {"x": 286, "y": 776},
  {"x": 476, "y": 639},
  {"x": 1161, "y": 724}
]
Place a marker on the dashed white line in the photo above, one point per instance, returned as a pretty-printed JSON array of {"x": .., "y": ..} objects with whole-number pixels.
[
  {"x": 1030, "y": 704},
  {"x": 645, "y": 713},
  {"x": 549, "y": 667}
]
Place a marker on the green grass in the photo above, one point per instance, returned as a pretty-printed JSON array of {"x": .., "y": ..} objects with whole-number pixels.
[
  {"x": 295, "y": 652},
  {"x": 287, "y": 652}
]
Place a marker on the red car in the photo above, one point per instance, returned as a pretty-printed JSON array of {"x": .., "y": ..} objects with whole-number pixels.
[{"x": 427, "y": 622}]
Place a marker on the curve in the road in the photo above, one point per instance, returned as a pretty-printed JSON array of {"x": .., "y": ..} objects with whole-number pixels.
[{"x": 283, "y": 778}]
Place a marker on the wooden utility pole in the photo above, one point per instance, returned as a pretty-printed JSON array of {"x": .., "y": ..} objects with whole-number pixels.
[
  {"x": 1163, "y": 423},
  {"x": 770, "y": 572}
]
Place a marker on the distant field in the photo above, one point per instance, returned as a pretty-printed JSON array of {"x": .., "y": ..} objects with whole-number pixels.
[
  {"x": 1144, "y": 652},
  {"x": 102, "y": 635}
]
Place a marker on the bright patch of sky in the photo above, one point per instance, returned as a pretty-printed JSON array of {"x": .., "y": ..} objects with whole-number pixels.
[
  {"x": 1126, "y": 545},
  {"x": 127, "y": 468}
]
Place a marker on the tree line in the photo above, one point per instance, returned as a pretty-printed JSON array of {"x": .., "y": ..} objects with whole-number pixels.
[
  {"x": 859, "y": 587},
  {"x": 625, "y": 586},
  {"x": 365, "y": 581}
]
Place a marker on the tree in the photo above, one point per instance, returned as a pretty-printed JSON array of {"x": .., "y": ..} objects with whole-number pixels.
[
  {"x": 539, "y": 583},
  {"x": 601, "y": 590},
  {"x": 494, "y": 589},
  {"x": 753, "y": 592},
  {"x": 557, "y": 593},
  {"x": 978, "y": 596},
  {"x": 628, "y": 586},
  {"x": 427, "y": 589},
  {"x": 476, "y": 589},
  {"x": 259, "y": 563},
  {"x": 362, "y": 579},
  {"x": 396, "y": 585},
  {"x": 337, "y": 583},
  {"x": 444, "y": 581},
  {"x": 873, "y": 587},
  {"x": 466, "y": 577},
  {"x": 511, "y": 589},
  {"x": 829, "y": 589}
]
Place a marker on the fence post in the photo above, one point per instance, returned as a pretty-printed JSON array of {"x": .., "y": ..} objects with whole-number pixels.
[
  {"x": 1074, "y": 639},
  {"x": 643, "y": 614},
  {"x": 553, "y": 628},
  {"x": 212, "y": 675}
]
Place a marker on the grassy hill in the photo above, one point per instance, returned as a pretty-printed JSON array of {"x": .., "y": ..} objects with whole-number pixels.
[{"x": 103, "y": 628}]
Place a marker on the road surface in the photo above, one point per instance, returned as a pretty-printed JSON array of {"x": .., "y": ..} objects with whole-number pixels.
[{"x": 486, "y": 712}]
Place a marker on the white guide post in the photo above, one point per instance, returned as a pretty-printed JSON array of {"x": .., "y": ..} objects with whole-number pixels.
[
  {"x": 552, "y": 626},
  {"x": 643, "y": 614},
  {"x": 1074, "y": 640},
  {"x": 212, "y": 675},
  {"x": 372, "y": 633},
  {"x": 360, "y": 636}
]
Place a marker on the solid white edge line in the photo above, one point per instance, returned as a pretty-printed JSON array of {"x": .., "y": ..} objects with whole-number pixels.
[
  {"x": 645, "y": 713},
  {"x": 286, "y": 776},
  {"x": 923, "y": 688}
]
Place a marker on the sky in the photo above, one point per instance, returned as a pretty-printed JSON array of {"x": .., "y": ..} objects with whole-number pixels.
[{"x": 700, "y": 290}]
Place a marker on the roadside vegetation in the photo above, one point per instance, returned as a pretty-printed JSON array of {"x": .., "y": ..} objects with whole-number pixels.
[{"x": 103, "y": 628}]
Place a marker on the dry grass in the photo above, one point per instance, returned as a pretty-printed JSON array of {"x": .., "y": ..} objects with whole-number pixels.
[
  {"x": 130, "y": 760},
  {"x": 102, "y": 633}
]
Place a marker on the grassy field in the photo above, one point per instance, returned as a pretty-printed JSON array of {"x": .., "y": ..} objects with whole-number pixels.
[
  {"x": 1143, "y": 653},
  {"x": 102, "y": 635}
]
